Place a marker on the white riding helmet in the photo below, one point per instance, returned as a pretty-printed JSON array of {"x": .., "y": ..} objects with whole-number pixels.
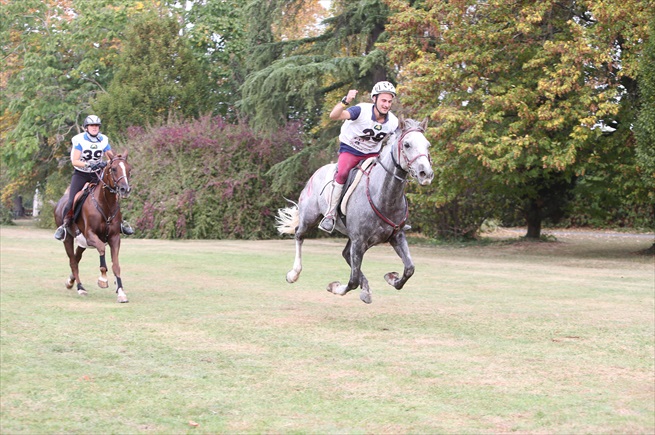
[
  {"x": 92, "y": 120},
  {"x": 383, "y": 88}
]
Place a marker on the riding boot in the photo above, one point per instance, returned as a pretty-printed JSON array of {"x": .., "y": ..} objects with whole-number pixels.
[
  {"x": 126, "y": 228},
  {"x": 61, "y": 232},
  {"x": 327, "y": 224}
]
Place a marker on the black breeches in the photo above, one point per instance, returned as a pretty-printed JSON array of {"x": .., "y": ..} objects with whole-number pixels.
[{"x": 78, "y": 180}]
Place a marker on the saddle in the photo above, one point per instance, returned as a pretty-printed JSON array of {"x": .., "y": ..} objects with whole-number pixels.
[
  {"x": 80, "y": 197},
  {"x": 354, "y": 177}
]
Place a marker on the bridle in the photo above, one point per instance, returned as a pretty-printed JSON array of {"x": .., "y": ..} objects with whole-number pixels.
[
  {"x": 402, "y": 154},
  {"x": 112, "y": 189},
  {"x": 111, "y": 186}
]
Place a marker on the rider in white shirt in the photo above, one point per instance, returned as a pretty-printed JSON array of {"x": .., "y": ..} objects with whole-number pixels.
[
  {"x": 87, "y": 154},
  {"x": 365, "y": 126}
]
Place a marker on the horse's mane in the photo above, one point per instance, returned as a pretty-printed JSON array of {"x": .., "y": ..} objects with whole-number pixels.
[{"x": 408, "y": 123}]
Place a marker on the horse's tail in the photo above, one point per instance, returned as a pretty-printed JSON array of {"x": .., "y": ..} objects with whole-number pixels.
[{"x": 287, "y": 219}]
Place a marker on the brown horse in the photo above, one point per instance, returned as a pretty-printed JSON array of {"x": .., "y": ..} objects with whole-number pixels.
[{"x": 98, "y": 223}]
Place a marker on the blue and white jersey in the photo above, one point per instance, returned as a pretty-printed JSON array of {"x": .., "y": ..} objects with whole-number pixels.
[
  {"x": 93, "y": 148},
  {"x": 362, "y": 132}
]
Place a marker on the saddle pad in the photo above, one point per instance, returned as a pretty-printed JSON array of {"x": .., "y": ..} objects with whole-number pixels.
[{"x": 351, "y": 188}]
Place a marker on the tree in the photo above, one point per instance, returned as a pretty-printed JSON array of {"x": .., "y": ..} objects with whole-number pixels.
[
  {"x": 645, "y": 126},
  {"x": 292, "y": 79},
  {"x": 300, "y": 80},
  {"x": 521, "y": 87},
  {"x": 157, "y": 77},
  {"x": 217, "y": 35},
  {"x": 57, "y": 55}
]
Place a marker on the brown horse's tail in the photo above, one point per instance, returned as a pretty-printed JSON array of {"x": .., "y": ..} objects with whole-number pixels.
[{"x": 287, "y": 219}]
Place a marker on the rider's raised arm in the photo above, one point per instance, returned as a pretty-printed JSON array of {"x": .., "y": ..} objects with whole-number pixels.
[{"x": 339, "y": 112}]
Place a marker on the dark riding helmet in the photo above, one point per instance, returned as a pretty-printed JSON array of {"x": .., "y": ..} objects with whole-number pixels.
[{"x": 91, "y": 120}]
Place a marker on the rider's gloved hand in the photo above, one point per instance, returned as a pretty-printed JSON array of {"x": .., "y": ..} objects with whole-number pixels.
[{"x": 98, "y": 166}]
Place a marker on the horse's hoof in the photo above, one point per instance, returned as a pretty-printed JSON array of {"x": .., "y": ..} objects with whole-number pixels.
[
  {"x": 82, "y": 292},
  {"x": 336, "y": 288},
  {"x": 69, "y": 284},
  {"x": 122, "y": 297},
  {"x": 392, "y": 278},
  {"x": 103, "y": 282},
  {"x": 292, "y": 276},
  {"x": 365, "y": 297}
]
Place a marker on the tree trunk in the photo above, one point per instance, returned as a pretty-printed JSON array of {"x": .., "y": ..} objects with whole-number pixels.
[
  {"x": 19, "y": 210},
  {"x": 533, "y": 220}
]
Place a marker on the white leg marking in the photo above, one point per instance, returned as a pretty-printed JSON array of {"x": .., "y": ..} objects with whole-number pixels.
[{"x": 293, "y": 274}]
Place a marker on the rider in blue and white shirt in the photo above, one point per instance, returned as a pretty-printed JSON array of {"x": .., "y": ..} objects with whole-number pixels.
[
  {"x": 365, "y": 126},
  {"x": 87, "y": 154},
  {"x": 89, "y": 149}
]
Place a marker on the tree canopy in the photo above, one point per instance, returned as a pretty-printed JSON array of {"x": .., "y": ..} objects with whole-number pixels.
[
  {"x": 157, "y": 76},
  {"x": 523, "y": 88},
  {"x": 537, "y": 109}
]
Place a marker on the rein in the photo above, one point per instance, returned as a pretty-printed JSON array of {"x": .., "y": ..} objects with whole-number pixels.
[
  {"x": 396, "y": 226},
  {"x": 105, "y": 185},
  {"x": 402, "y": 178}
]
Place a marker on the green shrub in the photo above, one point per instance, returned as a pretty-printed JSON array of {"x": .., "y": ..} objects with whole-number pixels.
[{"x": 6, "y": 215}]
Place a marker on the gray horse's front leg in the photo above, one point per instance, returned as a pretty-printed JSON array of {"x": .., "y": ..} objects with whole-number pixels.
[
  {"x": 353, "y": 254},
  {"x": 399, "y": 244}
]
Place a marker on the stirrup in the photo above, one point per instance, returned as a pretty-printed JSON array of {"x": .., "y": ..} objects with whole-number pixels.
[
  {"x": 61, "y": 233},
  {"x": 126, "y": 229},
  {"x": 327, "y": 224}
]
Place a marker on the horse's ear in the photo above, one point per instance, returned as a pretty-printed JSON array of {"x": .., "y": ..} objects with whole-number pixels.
[
  {"x": 424, "y": 124},
  {"x": 124, "y": 153},
  {"x": 401, "y": 122}
]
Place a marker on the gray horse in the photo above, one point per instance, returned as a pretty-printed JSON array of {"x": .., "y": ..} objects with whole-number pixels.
[{"x": 375, "y": 210}]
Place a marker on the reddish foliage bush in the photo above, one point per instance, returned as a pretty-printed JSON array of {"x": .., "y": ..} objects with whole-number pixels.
[{"x": 206, "y": 179}]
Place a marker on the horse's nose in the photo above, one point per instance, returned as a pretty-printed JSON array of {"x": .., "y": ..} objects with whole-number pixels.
[
  {"x": 124, "y": 191},
  {"x": 425, "y": 175}
]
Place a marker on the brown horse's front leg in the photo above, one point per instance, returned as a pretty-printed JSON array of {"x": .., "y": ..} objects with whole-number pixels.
[
  {"x": 103, "y": 281},
  {"x": 92, "y": 239},
  {"x": 115, "y": 246},
  {"x": 74, "y": 257}
]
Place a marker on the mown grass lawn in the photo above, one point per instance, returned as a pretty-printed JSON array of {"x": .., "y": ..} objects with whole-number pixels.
[{"x": 504, "y": 337}]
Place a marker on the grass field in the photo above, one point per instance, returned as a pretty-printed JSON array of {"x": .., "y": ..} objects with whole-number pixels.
[{"x": 539, "y": 338}]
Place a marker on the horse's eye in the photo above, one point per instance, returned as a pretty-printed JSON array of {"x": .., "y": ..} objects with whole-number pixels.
[{"x": 406, "y": 144}]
